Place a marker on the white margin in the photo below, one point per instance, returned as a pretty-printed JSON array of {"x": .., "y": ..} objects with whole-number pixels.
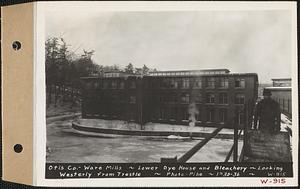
[
  {"x": 39, "y": 97},
  {"x": 40, "y": 105}
]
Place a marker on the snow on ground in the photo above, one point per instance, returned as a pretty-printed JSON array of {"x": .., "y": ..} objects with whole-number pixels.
[
  {"x": 286, "y": 123},
  {"x": 64, "y": 146}
]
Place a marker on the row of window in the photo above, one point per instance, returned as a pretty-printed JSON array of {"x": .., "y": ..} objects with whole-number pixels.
[
  {"x": 210, "y": 98},
  {"x": 184, "y": 73},
  {"x": 109, "y": 84},
  {"x": 173, "y": 114},
  {"x": 198, "y": 98},
  {"x": 198, "y": 83},
  {"x": 285, "y": 104},
  {"x": 113, "y": 98},
  {"x": 170, "y": 83},
  {"x": 211, "y": 115}
]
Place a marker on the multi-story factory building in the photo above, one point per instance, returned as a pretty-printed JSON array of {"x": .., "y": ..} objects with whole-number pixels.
[{"x": 204, "y": 97}]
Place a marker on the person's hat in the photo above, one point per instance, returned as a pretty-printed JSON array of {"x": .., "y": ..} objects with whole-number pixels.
[{"x": 267, "y": 92}]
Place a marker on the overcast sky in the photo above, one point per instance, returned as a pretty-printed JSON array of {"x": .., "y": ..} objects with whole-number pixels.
[{"x": 241, "y": 41}]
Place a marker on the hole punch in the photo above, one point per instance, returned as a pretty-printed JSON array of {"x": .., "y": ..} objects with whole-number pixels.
[
  {"x": 16, "y": 45},
  {"x": 18, "y": 148}
]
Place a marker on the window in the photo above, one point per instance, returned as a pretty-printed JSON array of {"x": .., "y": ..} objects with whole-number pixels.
[
  {"x": 105, "y": 84},
  {"x": 210, "y": 98},
  {"x": 173, "y": 113},
  {"x": 132, "y": 84},
  {"x": 185, "y": 98},
  {"x": 197, "y": 83},
  {"x": 194, "y": 112},
  {"x": 96, "y": 85},
  {"x": 100, "y": 84},
  {"x": 173, "y": 98},
  {"x": 198, "y": 116},
  {"x": 185, "y": 114},
  {"x": 132, "y": 115},
  {"x": 241, "y": 118},
  {"x": 115, "y": 97},
  {"x": 132, "y": 99},
  {"x": 116, "y": 112},
  {"x": 154, "y": 84},
  {"x": 239, "y": 99},
  {"x": 161, "y": 98},
  {"x": 114, "y": 84},
  {"x": 155, "y": 114},
  {"x": 161, "y": 113},
  {"x": 108, "y": 84},
  {"x": 185, "y": 83},
  {"x": 173, "y": 83},
  {"x": 223, "y": 98},
  {"x": 210, "y": 115},
  {"x": 88, "y": 85},
  {"x": 122, "y": 97},
  {"x": 121, "y": 84},
  {"x": 239, "y": 83},
  {"x": 99, "y": 98},
  {"x": 167, "y": 98},
  {"x": 210, "y": 83},
  {"x": 223, "y": 115},
  {"x": 224, "y": 83},
  {"x": 164, "y": 84},
  {"x": 198, "y": 98}
]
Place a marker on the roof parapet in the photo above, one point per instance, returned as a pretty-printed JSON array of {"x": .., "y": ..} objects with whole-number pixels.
[{"x": 189, "y": 72}]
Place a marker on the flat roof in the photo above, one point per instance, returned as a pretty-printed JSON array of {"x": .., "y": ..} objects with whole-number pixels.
[
  {"x": 188, "y": 72},
  {"x": 216, "y": 74},
  {"x": 179, "y": 76},
  {"x": 202, "y": 70},
  {"x": 279, "y": 88},
  {"x": 282, "y": 79}
]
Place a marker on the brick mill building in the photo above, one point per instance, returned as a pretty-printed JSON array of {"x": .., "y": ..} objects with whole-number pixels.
[{"x": 209, "y": 97}]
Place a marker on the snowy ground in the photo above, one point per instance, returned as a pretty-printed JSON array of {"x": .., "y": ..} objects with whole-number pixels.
[
  {"x": 64, "y": 146},
  {"x": 286, "y": 123}
]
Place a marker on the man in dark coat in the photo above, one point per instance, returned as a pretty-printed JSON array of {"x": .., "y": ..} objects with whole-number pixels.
[{"x": 267, "y": 113}]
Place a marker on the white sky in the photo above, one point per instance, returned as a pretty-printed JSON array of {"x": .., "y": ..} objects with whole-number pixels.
[{"x": 241, "y": 41}]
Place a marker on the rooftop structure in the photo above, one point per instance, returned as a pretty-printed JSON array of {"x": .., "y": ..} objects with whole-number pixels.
[
  {"x": 189, "y": 72},
  {"x": 282, "y": 82},
  {"x": 118, "y": 74},
  {"x": 282, "y": 93}
]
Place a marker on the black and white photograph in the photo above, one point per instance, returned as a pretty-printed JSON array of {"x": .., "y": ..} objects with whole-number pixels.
[{"x": 168, "y": 86}]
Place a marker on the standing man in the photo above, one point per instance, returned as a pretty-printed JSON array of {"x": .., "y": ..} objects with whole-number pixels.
[{"x": 267, "y": 113}]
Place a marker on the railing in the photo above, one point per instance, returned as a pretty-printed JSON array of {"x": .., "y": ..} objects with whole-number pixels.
[
  {"x": 247, "y": 110},
  {"x": 285, "y": 106},
  {"x": 234, "y": 148},
  {"x": 237, "y": 135}
]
